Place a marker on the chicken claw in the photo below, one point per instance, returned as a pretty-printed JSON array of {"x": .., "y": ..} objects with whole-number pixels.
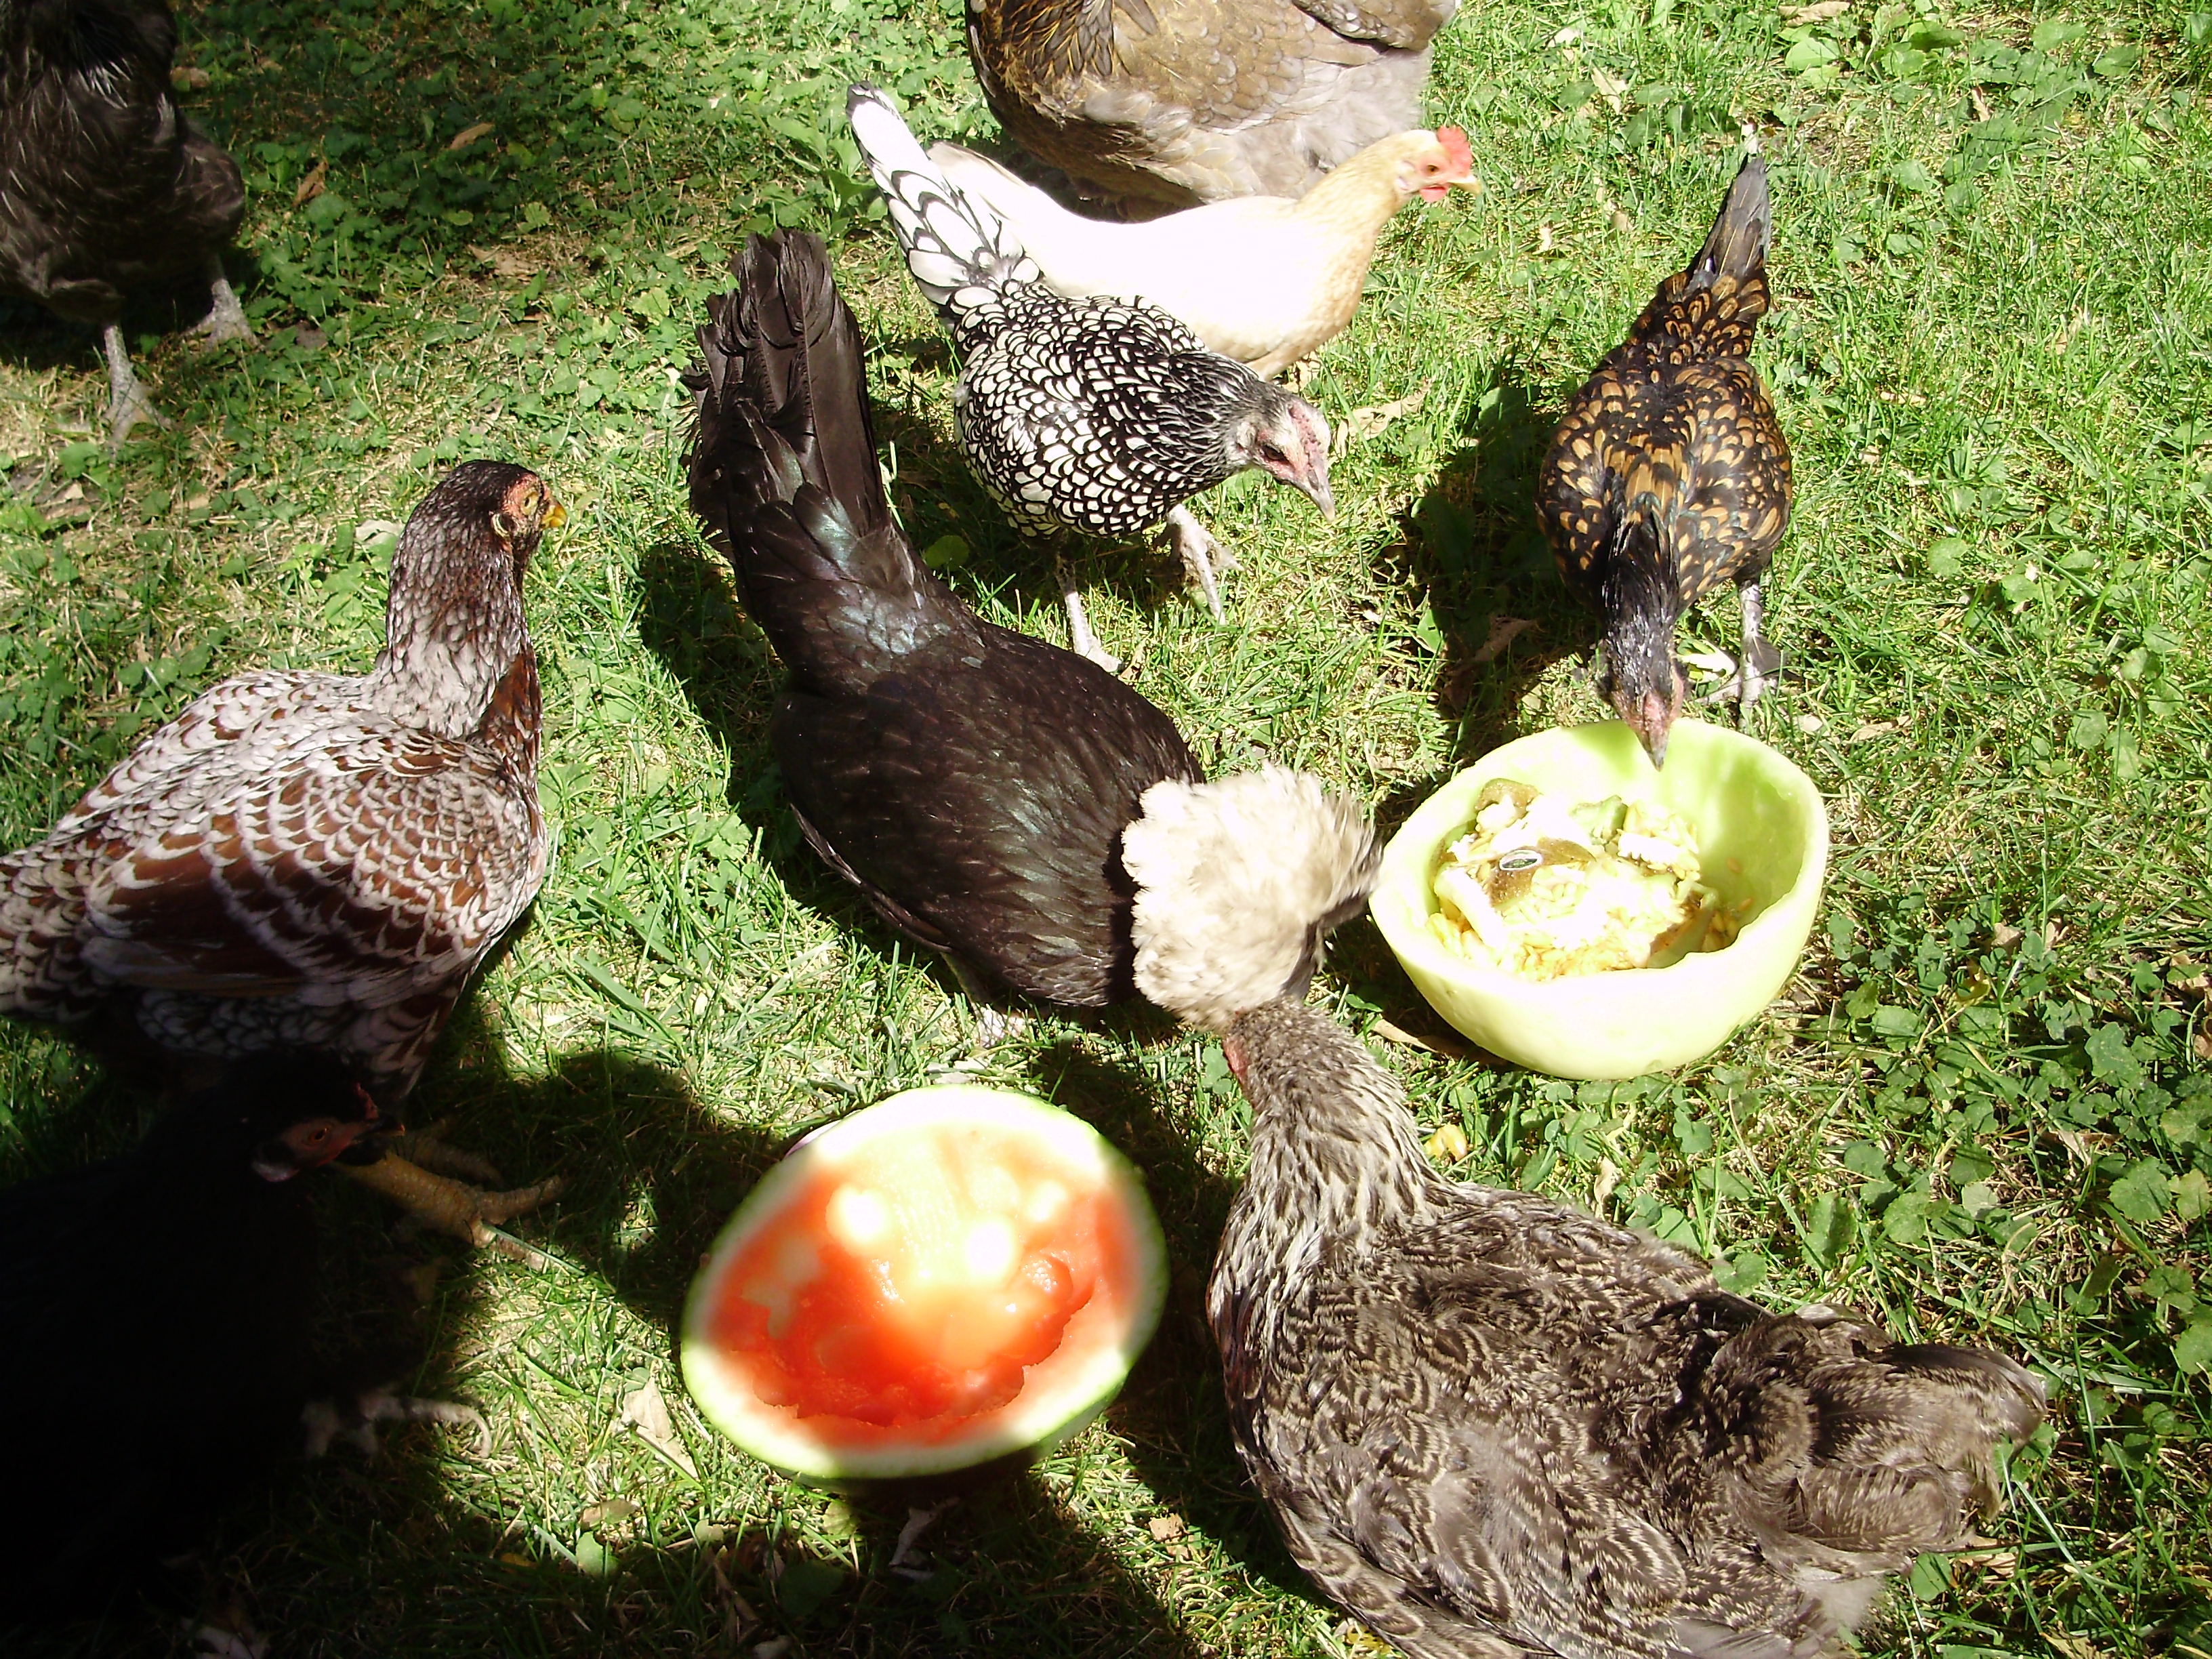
[
  {"x": 1080, "y": 640},
  {"x": 127, "y": 402},
  {"x": 225, "y": 318}
]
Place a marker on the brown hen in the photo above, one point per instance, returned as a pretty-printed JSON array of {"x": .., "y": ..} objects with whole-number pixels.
[
  {"x": 1488, "y": 1423},
  {"x": 318, "y": 861},
  {"x": 1670, "y": 476},
  {"x": 1179, "y": 101}
]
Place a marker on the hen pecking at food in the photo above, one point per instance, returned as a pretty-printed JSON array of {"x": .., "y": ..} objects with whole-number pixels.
[
  {"x": 1670, "y": 475},
  {"x": 1267, "y": 280},
  {"x": 1177, "y": 101},
  {"x": 1095, "y": 416},
  {"x": 971, "y": 781},
  {"x": 160, "y": 1301},
  {"x": 319, "y": 860},
  {"x": 1487, "y": 1423},
  {"x": 104, "y": 185}
]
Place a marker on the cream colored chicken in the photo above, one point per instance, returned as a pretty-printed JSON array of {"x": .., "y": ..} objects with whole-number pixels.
[{"x": 1265, "y": 279}]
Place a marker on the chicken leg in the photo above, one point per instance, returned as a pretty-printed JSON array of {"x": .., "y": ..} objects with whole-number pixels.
[
  {"x": 1080, "y": 640},
  {"x": 1201, "y": 555},
  {"x": 225, "y": 318},
  {"x": 1758, "y": 665},
  {"x": 452, "y": 1206},
  {"x": 127, "y": 402}
]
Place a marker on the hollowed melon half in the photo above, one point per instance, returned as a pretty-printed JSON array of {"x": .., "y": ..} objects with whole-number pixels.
[{"x": 950, "y": 1276}]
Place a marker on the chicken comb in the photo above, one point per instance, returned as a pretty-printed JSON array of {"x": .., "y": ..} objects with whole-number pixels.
[{"x": 1457, "y": 149}]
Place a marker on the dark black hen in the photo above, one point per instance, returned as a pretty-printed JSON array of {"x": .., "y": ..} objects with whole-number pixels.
[
  {"x": 1670, "y": 474},
  {"x": 157, "y": 1310},
  {"x": 972, "y": 781},
  {"x": 1491, "y": 1425},
  {"x": 104, "y": 185}
]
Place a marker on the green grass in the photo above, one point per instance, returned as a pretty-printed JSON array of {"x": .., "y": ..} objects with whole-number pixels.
[{"x": 1983, "y": 1109}]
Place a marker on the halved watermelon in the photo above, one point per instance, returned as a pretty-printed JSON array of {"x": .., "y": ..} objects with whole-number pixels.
[{"x": 947, "y": 1277}]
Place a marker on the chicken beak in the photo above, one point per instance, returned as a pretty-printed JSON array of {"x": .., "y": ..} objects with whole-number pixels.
[
  {"x": 555, "y": 516},
  {"x": 1657, "y": 719},
  {"x": 1323, "y": 496}
]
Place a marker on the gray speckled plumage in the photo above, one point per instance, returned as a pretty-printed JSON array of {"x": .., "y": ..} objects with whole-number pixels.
[
  {"x": 1178, "y": 101},
  {"x": 1491, "y": 1425},
  {"x": 1093, "y": 415},
  {"x": 973, "y": 783},
  {"x": 315, "y": 860}
]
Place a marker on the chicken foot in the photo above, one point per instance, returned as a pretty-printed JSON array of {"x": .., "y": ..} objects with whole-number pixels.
[
  {"x": 452, "y": 1206},
  {"x": 225, "y": 318},
  {"x": 1756, "y": 670},
  {"x": 1201, "y": 555},
  {"x": 1080, "y": 640},
  {"x": 127, "y": 402},
  {"x": 994, "y": 1025},
  {"x": 323, "y": 1421}
]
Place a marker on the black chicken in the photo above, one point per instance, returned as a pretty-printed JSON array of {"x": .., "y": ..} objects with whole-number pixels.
[
  {"x": 972, "y": 781},
  {"x": 157, "y": 1310},
  {"x": 1095, "y": 415},
  {"x": 1489, "y": 1424},
  {"x": 1670, "y": 476},
  {"x": 104, "y": 185}
]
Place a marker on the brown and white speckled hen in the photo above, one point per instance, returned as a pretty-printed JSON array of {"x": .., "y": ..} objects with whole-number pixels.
[
  {"x": 104, "y": 185},
  {"x": 1488, "y": 1423},
  {"x": 1177, "y": 101},
  {"x": 311, "y": 860},
  {"x": 1670, "y": 475}
]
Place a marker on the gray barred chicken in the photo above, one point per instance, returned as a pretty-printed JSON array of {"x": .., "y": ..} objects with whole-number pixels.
[
  {"x": 1093, "y": 415},
  {"x": 1178, "y": 101},
  {"x": 104, "y": 185},
  {"x": 1670, "y": 474},
  {"x": 318, "y": 861},
  {"x": 1488, "y": 1423}
]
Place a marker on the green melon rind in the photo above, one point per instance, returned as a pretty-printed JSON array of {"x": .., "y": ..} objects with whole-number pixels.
[{"x": 777, "y": 1438}]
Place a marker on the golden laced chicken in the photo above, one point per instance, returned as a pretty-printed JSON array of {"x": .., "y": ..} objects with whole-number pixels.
[
  {"x": 1267, "y": 280},
  {"x": 104, "y": 185},
  {"x": 1094, "y": 415},
  {"x": 312, "y": 860},
  {"x": 1670, "y": 475},
  {"x": 972, "y": 782},
  {"x": 1487, "y": 1423},
  {"x": 1177, "y": 101}
]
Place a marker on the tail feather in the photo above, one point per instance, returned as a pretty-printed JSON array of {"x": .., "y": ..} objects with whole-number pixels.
[
  {"x": 1711, "y": 309},
  {"x": 1238, "y": 883},
  {"x": 1852, "y": 1452},
  {"x": 783, "y": 472},
  {"x": 961, "y": 254}
]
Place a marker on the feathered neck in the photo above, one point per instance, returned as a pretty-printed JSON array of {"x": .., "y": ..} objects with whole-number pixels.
[
  {"x": 455, "y": 638},
  {"x": 1360, "y": 195},
  {"x": 1333, "y": 1151}
]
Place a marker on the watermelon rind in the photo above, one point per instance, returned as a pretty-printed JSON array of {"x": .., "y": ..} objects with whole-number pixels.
[{"x": 1040, "y": 1418}]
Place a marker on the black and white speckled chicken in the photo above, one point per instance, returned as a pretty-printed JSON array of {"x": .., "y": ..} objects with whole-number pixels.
[
  {"x": 104, "y": 185},
  {"x": 1093, "y": 415},
  {"x": 973, "y": 783},
  {"x": 1670, "y": 475},
  {"x": 317, "y": 861},
  {"x": 1488, "y": 1423}
]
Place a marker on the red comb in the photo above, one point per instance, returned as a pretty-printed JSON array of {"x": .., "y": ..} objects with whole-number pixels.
[{"x": 1457, "y": 149}]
